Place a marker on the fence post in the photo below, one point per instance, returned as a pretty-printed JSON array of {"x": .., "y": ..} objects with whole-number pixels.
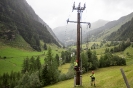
[{"x": 124, "y": 77}]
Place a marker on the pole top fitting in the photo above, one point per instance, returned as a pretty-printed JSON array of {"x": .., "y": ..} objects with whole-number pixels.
[
  {"x": 67, "y": 20},
  {"x": 89, "y": 25},
  {"x": 84, "y": 5},
  {"x": 73, "y": 6},
  {"x": 79, "y": 4}
]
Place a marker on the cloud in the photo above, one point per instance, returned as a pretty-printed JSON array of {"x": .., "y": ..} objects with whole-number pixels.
[{"x": 55, "y": 13}]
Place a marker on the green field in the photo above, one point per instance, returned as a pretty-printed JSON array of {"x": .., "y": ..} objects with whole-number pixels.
[
  {"x": 64, "y": 68},
  {"x": 14, "y": 57},
  {"x": 109, "y": 77},
  {"x": 105, "y": 77}
]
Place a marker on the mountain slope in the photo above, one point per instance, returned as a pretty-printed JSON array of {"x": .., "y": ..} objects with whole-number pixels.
[
  {"x": 98, "y": 23},
  {"x": 104, "y": 31},
  {"x": 123, "y": 33},
  {"x": 48, "y": 28},
  {"x": 17, "y": 17}
]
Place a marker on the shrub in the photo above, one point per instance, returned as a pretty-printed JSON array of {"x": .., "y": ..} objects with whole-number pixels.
[
  {"x": 29, "y": 81},
  {"x": 62, "y": 77},
  {"x": 110, "y": 60}
]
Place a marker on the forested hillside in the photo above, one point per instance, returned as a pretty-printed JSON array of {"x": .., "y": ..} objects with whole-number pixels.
[
  {"x": 18, "y": 18},
  {"x": 123, "y": 33},
  {"x": 102, "y": 32}
]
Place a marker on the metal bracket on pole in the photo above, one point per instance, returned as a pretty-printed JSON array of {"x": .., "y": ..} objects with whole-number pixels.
[
  {"x": 67, "y": 21},
  {"x": 88, "y": 23}
]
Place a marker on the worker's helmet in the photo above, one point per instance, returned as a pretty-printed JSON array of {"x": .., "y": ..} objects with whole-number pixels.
[
  {"x": 92, "y": 72},
  {"x": 76, "y": 60}
]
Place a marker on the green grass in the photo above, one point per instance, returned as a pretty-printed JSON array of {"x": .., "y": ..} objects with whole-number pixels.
[
  {"x": 64, "y": 68},
  {"x": 109, "y": 77},
  {"x": 14, "y": 52},
  {"x": 105, "y": 77},
  {"x": 6, "y": 66},
  {"x": 15, "y": 56}
]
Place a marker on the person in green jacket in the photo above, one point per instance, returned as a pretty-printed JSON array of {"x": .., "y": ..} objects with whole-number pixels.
[
  {"x": 75, "y": 63},
  {"x": 93, "y": 78}
]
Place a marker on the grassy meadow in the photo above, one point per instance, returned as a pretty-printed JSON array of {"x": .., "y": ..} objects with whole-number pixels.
[
  {"x": 14, "y": 57},
  {"x": 109, "y": 77},
  {"x": 64, "y": 68}
]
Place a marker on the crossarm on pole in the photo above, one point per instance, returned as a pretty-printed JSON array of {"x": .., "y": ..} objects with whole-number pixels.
[{"x": 80, "y": 22}]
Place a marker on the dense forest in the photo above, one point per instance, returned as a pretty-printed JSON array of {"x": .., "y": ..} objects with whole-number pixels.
[
  {"x": 17, "y": 17},
  {"x": 124, "y": 33}
]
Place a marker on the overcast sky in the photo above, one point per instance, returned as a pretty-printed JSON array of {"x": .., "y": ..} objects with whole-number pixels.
[{"x": 56, "y": 12}]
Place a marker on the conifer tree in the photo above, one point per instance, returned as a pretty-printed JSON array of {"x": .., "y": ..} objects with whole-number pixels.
[
  {"x": 50, "y": 70},
  {"x": 45, "y": 46},
  {"x": 38, "y": 63},
  {"x": 32, "y": 64},
  {"x": 25, "y": 66},
  {"x": 85, "y": 63},
  {"x": 57, "y": 59}
]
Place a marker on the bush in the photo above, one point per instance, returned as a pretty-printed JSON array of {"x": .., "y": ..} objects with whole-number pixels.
[
  {"x": 121, "y": 61},
  {"x": 69, "y": 74},
  {"x": 110, "y": 60},
  {"x": 128, "y": 54},
  {"x": 4, "y": 57},
  {"x": 62, "y": 77},
  {"x": 23, "y": 82},
  {"x": 29, "y": 81},
  {"x": 84, "y": 71}
]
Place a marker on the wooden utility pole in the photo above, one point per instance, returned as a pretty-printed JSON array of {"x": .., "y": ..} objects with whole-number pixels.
[{"x": 79, "y": 11}]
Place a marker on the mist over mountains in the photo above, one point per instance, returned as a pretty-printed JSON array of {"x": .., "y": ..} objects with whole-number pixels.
[
  {"x": 100, "y": 30},
  {"x": 67, "y": 34}
]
